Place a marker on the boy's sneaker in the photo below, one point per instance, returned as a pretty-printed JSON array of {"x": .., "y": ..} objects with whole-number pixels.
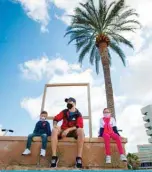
[
  {"x": 26, "y": 152},
  {"x": 108, "y": 159},
  {"x": 54, "y": 161},
  {"x": 78, "y": 162},
  {"x": 43, "y": 152},
  {"x": 123, "y": 158}
]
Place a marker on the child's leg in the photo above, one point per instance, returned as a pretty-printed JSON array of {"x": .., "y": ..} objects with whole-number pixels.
[
  {"x": 29, "y": 140},
  {"x": 117, "y": 138},
  {"x": 44, "y": 141},
  {"x": 107, "y": 143}
]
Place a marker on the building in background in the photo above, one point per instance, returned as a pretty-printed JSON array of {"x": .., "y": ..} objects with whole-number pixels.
[
  {"x": 147, "y": 112},
  {"x": 145, "y": 156}
]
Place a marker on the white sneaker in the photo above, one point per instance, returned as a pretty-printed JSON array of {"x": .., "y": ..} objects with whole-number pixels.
[
  {"x": 26, "y": 152},
  {"x": 123, "y": 158},
  {"x": 43, "y": 152},
  {"x": 108, "y": 159}
]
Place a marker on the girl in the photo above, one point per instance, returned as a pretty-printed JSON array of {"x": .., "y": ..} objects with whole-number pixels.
[{"x": 109, "y": 130}]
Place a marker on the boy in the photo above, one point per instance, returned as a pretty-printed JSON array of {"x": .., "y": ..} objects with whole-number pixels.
[{"x": 42, "y": 128}]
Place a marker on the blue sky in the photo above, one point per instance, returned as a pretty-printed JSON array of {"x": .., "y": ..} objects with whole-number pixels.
[{"x": 33, "y": 52}]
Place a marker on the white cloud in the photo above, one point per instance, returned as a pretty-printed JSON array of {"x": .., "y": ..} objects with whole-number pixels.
[
  {"x": 1, "y": 133},
  {"x": 68, "y": 6},
  {"x": 144, "y": 10},
  {"x": 43, "y": 67},
  {"x": 137, "y": 39},
  {"x": 38, "y": 11},
  {"x": 126, "y": 114},
  {"x": 131, "y": 122},
  {"x": 136, "y": 83},
  {"x": 32, "y": 105},
  {"x": 65, "y": 18},
  {"x": 137, "y": 80}
]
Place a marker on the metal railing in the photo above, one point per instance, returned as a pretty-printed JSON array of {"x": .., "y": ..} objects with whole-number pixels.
[{"x": 6, "y": 131}]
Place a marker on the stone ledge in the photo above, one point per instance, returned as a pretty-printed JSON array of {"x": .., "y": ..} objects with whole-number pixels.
[
  {"x": 38, "y": 139},
  {"x": 11, "y": 149}
]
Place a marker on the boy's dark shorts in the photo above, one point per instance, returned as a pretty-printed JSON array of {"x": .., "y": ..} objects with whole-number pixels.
[{"x": 70, "y": 134}]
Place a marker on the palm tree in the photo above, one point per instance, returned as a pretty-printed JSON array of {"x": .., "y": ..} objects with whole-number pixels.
[
  {"x": 96, "y": 30},
  {"x": 133, "y": 160}
]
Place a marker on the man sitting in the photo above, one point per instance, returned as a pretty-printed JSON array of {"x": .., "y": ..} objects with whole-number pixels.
[{"x": 72, "y": 126}]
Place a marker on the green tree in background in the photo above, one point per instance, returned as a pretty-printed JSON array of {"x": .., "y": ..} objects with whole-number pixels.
[{"x": 133, "y": 160}]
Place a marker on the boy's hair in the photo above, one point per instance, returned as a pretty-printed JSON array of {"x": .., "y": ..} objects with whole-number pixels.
[
  {"x": 44, "y": 112},
  {"x": 106, "y": 109}
]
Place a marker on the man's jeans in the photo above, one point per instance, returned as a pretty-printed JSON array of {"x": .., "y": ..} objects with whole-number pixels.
[{"x": 44, "y": 140}]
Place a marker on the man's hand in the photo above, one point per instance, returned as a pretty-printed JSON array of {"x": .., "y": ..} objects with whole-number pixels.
[
  {"x": 57, "y": 127},
  {"x": 54, "y": 124},
  {"x": 65, "y": 132}
]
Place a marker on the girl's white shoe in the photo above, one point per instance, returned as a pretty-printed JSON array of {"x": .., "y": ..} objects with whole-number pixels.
[
  {"x": 108, "y": 159},
  {"x": 123, "y": 158}
]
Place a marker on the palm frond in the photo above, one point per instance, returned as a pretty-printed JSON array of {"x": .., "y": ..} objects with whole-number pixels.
[
  {"x": 125, "y": 22},
  {"x": 72, "y": 29},
  {"x": 117, "y": 25},
  {"x": 106, "y": 12},
  {"x": 78, "y": 34},
  {"x": 92, "y": 6},
  {"x": 92, "y": 13},
  {"x": 128, "y": 13},
  {"x": 120, "y": 39},
  {"x": 102, "y": 12},
  {"x": 110, "y": 59},
  {"x": 114, "y": 12},
  {"x": 83, "y": 14},
  {"x": 82, "y": 42},
  {"x": 80, "y": 20},
  {"x": 74, "y": 37},
  {"x": 84, "y": 51},
  {"x": 118, "y": 51},
  {"x": 126, "y": 29},
  {"x": 92, "y": 54}
]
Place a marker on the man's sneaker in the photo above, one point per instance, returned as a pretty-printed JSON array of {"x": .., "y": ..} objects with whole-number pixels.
[
  {"x": 54, "y": 161},
  {"x": 78, "y": 162},
  {"x": 123, "y": 158},
  {"x": 26, "y": 152},
  {"x": 108, "y": 159},
  {"x": 43, "y": 152}
]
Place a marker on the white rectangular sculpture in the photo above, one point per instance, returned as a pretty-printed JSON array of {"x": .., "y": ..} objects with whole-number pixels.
[{"x": 147, "y": 112}]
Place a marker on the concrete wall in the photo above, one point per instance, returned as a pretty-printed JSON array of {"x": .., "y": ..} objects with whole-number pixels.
[{"x": 11, "y": 149}]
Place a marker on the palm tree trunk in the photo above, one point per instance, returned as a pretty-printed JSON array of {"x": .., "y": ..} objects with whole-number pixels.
[{"x": 107, "y": 76}]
